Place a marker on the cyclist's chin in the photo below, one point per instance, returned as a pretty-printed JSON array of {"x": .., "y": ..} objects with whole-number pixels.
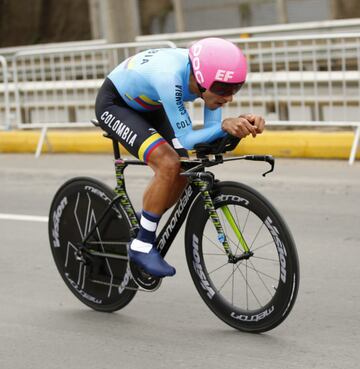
[{"x": 213, "y": 105}]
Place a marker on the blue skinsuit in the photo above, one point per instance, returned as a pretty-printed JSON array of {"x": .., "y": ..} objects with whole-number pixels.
[{"x": 160, "y": 77}]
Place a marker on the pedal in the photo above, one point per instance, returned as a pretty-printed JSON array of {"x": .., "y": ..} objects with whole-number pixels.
[{"x": 144, "y": 280}]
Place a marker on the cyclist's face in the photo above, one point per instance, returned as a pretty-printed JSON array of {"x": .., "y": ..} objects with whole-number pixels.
[{"x": 213, "y": 101}]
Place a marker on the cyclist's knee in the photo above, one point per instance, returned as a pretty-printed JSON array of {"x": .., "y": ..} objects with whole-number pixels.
[
  {"x": 165, "y": 162},
  {"x": 169, "y": 166}
]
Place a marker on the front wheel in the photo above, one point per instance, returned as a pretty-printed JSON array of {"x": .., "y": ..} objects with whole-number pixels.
[
  {"x": 253, "y": 294},
  {"x": 97, "y": 274}
]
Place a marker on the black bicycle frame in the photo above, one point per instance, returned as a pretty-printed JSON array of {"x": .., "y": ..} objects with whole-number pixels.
[
  {"x": 176, "y": 219},
  {"x": 173, "y": 224},
  {"x": 199, "y": 184}
]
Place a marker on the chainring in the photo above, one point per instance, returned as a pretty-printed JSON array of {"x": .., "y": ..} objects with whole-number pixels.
[{"x": 143, "y": 279}]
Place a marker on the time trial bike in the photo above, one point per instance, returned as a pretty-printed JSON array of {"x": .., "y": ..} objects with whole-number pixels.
[{"x": 240, "y": 253}]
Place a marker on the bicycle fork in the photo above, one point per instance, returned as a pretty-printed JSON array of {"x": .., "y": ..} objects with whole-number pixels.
[{"x": 203, "y": 187}]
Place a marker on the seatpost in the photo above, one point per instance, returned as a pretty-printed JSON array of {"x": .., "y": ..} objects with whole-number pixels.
[{"x": 116, "y": 149}]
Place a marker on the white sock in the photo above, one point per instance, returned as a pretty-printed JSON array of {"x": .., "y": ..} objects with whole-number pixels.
[{"x": 140, "y": 246}]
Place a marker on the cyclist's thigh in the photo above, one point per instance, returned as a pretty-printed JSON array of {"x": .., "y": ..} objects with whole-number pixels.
[
  {"x": 126, "y": 125},
  {"x": 159, "y": 120}
]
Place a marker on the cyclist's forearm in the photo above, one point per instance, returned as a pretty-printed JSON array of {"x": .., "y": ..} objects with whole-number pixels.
[{"x": 207, "y": 134}]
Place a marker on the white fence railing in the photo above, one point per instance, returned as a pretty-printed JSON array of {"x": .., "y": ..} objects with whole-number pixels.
[
  {"x": 308, "y": 78},
  {"x": 301, "y": 80},
  {"x": 4, "y": 95},
  {"x": 59, "y": 86},
  {"x": 294, "y": 80},
  {"x": 183, "y": 39}
]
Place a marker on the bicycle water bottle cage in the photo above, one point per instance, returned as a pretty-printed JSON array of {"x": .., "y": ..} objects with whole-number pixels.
[{"x": 220, "y": 146}]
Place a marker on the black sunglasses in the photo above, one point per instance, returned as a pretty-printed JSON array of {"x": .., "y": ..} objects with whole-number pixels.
[{"x": 225, "y": 89}]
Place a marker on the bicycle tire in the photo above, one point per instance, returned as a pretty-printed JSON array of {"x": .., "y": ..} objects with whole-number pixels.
[
  {"x": 100, "y": 282},
  {"x": 264, "y": 302}
]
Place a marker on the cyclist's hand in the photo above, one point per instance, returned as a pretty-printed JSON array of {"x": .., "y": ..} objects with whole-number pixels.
[
  {"x": 256, "y": 120},
  {"x": 244, "y": 125}
]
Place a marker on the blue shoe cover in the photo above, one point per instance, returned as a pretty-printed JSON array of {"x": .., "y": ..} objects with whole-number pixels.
[{"x": 152, "y": 263}]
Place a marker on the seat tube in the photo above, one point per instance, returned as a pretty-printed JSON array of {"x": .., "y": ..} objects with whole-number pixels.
[{"x": 120, "y": 190}]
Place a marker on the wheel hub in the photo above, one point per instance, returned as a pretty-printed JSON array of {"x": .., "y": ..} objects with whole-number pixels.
[{"x": 244, "y": 256}]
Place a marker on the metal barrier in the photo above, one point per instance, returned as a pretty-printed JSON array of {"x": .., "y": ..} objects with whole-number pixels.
[
  {"x": 4, "y": 95},
  {"x": 9, "y": 52},
  {"x": 313, "y": 78},
  {"x": 56, "y": 88},
  {"x": 297, "y": 80},
  {"x": 59, "y": 85},
  {"x": 183, "y": 39}
]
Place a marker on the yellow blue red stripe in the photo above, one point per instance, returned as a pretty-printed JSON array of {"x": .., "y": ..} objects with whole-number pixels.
[
  {"x": 147, "y": 103},
  {"x": 148, "y": 100},
  {"x": 149, "y": 145}
]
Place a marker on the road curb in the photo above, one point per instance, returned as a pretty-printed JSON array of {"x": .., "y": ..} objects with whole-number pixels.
[{"x": 294, "y": 144}]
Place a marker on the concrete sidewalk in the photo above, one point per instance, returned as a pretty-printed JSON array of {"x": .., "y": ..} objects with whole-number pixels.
[{"x": 294, "y": 144}]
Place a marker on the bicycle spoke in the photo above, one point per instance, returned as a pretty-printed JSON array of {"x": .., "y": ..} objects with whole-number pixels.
[
  {"x": 248, "y": 285},
  {"x": 233, "y": 286},
  {"x": 268, "y": 259},
  {"x": 266, "y": 244},
  {"x": 231, "y": 241},
  {"x": 247, "y": 216},
  {"x": 217, "y": 246},
  {"x": 262, "y": 281},
  {"x": 226, "y": 280},
  {"x": 217, "y": 268},
  {"x": 236, "y": 214},
  {"x": 247, "y": 289},
  {"x": 267, "y": 275},
  {"x": 257, "y": 234}
]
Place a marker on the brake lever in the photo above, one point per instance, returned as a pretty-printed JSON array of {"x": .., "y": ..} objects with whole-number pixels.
[{"x": 268, "y": 158}]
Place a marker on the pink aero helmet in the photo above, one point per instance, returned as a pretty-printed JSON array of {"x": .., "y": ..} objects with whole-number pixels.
[{"x": 218, "y": 65}]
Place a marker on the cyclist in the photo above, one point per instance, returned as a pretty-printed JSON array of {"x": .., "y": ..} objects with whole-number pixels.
[{"x": 141, "y": 104}]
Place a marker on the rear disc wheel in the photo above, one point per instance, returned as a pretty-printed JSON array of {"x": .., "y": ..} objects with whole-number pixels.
[{"x": 97, "y": 274}]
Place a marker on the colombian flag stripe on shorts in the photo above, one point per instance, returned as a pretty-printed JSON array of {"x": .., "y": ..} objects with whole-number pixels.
[{"x": 149, "y": 145}]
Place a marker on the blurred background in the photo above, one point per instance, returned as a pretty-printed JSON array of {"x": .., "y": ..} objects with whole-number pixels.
[
  {"x": 123, "y": 20},
  {"x": 303, "y": 60}
]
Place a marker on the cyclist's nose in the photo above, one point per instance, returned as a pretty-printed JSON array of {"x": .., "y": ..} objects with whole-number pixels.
[{"x": 228, "y": 98}]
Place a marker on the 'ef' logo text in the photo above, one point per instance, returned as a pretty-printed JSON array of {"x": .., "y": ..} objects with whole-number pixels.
[{"x": 224, "y": 75}]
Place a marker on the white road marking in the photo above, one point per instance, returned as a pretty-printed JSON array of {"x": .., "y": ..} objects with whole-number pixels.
[{"x": 26, "y": 218}]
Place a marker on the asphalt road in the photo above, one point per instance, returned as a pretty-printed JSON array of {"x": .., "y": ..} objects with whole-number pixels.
[{"x": 42, "y": 325}]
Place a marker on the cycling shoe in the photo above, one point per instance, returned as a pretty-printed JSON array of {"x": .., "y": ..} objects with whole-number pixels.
[{"x": 152, "y": 263}]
